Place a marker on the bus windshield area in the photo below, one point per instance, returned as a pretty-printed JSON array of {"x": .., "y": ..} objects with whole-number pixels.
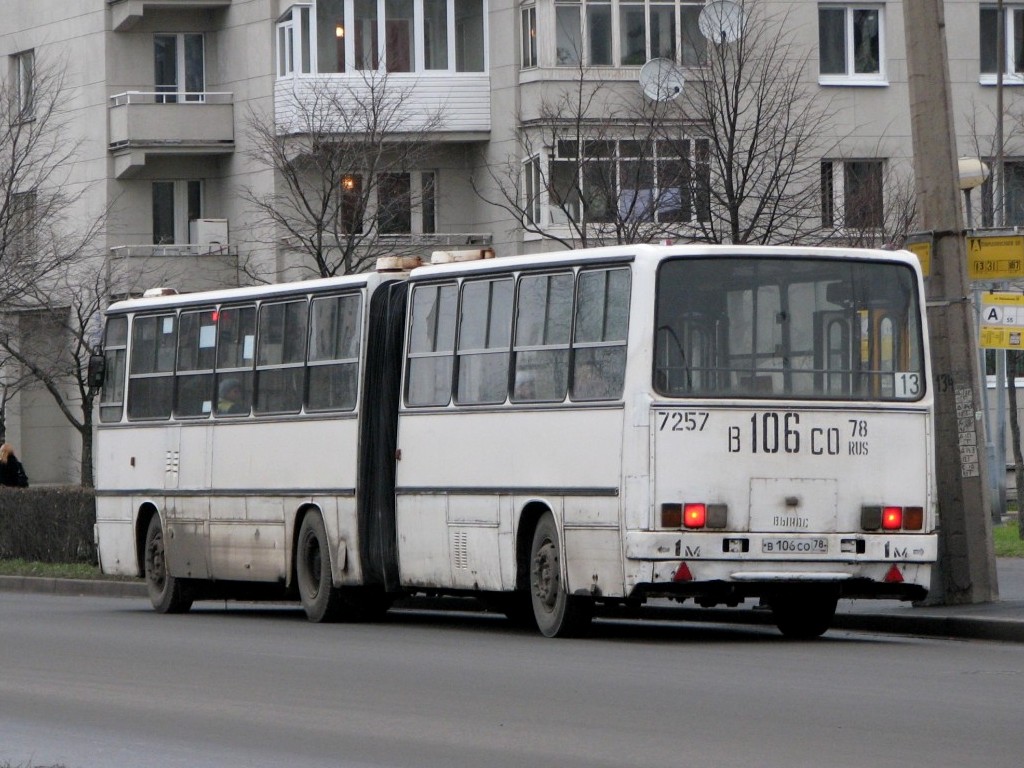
[{"x": 803, "y": 328}]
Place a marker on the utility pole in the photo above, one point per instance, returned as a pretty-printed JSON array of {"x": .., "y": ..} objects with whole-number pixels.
[{"x": 966, "y": 572}]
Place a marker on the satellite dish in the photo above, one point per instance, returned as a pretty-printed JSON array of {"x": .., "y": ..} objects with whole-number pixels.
[
  {"x": 661, "y": 80},
  {"x": 721, "y": 21}
]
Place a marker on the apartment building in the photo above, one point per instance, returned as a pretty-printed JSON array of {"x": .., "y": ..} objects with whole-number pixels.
[{"x": 163, "y": 98}]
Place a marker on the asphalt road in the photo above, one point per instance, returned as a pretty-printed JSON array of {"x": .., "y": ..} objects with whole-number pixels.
[{"x": 92, "y": 682}]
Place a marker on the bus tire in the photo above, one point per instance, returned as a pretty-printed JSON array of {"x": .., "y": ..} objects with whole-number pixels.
[
  {"x": 557, "y": 613},
  {"x": 804, "y": 615},
  {"x": 321, "y": 601},
  {"x": 167, "y": 593}
]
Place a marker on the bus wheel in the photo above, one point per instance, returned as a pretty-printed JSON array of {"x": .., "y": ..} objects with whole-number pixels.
[
  {"x": 167, "y": 593},
  {"x": 320, "y": 600},
  {"x": 557, "y": 613},
  {"x": 804, "y": 615}
]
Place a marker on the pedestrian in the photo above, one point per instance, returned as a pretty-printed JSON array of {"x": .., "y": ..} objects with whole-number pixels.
[{"x": 12, "y": 473}]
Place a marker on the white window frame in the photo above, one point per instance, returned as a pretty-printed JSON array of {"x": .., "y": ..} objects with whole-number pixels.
[
  {"x": 296, "y": 47},
  {"x": 181, "y": 72},
  {"x": 541, "y": 213},
  {"x": 548, "y": 31},
  {"x": 529, "y": 57},
  {"x": 851, "y": 77},
  {"x": 1013, "y": 14},
  {"x": 24, "y": 65},
  {"x": 292, "y": 48}
]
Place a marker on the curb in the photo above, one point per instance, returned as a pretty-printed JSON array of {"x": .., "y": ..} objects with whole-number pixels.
[
  {"x": 74, "y": 587},
  {"x": 902, "y": 623}
]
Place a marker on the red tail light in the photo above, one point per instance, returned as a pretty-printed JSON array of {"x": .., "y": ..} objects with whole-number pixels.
[
  {"x": 695, "y": 515},
  {"x": 892, "y": 518}
]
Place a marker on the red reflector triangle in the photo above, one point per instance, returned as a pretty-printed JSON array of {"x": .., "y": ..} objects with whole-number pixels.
[
  {"x": 893, "y": 576},
  {"x": 683, "y": 573}
]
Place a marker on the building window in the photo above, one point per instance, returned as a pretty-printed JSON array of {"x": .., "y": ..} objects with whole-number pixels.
[
  {"x": 1013, "y": 194},
  {"x": 851, "y": 44},
  {"x": 293, "y": 38},
  {"x": 627, "y": 32},
  {"x": 179, "y": 67},
  {"x": 23, "y": 67},
  {"x": 855, "y": 188},
  {"x": 175, "y": 204},
  {"x": 406, "y": 203},
  {"x": 629, "y": 180},
  {"x": 21, "y": 222},
  {"x": 528, "y": 17},
  {"x": 533, "y": 180},
  {"x": 1013, "y": 46},
  {"x": 398, "y": 35}
]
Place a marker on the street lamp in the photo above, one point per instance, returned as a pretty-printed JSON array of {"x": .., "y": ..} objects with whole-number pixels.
[{"x": 973, "y": 173}]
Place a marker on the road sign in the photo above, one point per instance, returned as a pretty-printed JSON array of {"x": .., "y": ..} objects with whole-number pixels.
[
  {"x": 995, "y": 258},
  {"x": 923, "y": 250},
  {"x": 1002, "y": 321}
]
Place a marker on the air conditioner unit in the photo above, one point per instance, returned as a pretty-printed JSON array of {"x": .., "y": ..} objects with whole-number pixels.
[{"x": 208, "y": 232}]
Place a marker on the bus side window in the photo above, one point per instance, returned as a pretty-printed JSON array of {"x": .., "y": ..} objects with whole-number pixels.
[
  {"x": 197, "y": 339},
  {"x": 543, "y": 325},
  {"x": 236, "y": 353},
  {"x": 333, "y": 353},
  {"x": 281, "y": 357},
  {"x": 599, "y": 343},
  {"x": 115, "y": 353},
  {"x": 431, "y": 345},
  {"x": 151, "y": 374},
  {"x": 485, "y": 330}
]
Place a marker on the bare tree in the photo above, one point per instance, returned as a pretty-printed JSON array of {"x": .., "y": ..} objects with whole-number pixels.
[
  {"x": 731, "y": 156},
  {"x": 341, "y": 152},
  {"x": 36, "y": 239},
  {"x": 597, "y": 163},
  {"x": 52, "y": 337}
]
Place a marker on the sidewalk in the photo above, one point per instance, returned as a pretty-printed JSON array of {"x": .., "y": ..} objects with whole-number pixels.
[{"x": 1001, "y": 620}]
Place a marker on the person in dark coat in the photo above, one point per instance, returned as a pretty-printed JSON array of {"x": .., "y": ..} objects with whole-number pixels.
[{"x": 12, "y": 473}]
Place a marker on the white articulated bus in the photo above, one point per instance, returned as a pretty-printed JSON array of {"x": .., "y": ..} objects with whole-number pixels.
[{"x": 556, "y": 434}]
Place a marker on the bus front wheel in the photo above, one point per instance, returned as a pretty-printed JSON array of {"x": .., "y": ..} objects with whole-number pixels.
[
  {"x": 167, "y": 593},
  {"x": 320, "y": 599},
  {"x": 558, "y": 614}
]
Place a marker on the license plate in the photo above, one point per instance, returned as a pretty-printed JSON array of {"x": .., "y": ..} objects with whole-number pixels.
[{"x": 794, "y": 546}]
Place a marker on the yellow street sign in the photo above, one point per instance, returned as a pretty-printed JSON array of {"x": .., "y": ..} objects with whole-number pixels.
[
  {"x": 923, "y": 250},
  {"x": 1002, "y": 321},
  {"x": 995, "y": 258}
]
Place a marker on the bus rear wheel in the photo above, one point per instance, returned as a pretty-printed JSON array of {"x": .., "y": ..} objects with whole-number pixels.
[
  {"x": 804, "y": 615},
  {"x": 320, "y": 599},
  {"x": 167, "y": 593},
  {"x": 558, "y": 614}
]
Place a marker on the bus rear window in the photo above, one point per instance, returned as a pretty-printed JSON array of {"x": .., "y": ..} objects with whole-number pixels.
[{"x": 809, "y": 328}]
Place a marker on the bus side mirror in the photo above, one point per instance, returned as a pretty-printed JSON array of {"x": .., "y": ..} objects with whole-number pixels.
[{"x": 97, "y": 370}]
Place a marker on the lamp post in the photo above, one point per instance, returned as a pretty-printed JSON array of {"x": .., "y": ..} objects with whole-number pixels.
[{"x": 973, "y": 173}]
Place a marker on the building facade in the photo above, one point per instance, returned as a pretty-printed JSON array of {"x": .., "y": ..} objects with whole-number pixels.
[{"x": 517, "y": 126}]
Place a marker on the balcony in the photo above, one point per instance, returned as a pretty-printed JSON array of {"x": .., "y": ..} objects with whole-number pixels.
[
  {"x": 125, "y": 14},
  {"x": 445, "y": 107},
  {"x": 132, "y": 269},
  {"x": 141, "y": 124}
]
